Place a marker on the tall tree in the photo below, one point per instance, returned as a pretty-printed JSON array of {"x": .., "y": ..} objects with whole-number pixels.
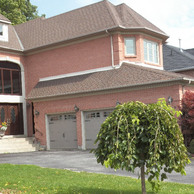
[
  {"x": 18, "y": 11},
  {"x": 145, "y": 136}
]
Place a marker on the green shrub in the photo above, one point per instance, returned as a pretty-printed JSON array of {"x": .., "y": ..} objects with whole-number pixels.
[{"x": 191, "y": 147}]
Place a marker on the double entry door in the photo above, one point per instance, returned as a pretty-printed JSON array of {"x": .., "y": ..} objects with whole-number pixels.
[{"x": 12, "y": 114}]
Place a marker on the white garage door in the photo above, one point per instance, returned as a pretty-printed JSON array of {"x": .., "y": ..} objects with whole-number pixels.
[
  {"x": 93, "y": 121},
  {"x": 62, "y": 130}
]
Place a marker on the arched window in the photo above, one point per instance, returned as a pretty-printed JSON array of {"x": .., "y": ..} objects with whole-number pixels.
[{"x": 10, "y": 78}]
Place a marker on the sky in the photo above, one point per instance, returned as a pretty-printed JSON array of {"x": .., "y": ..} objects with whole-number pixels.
[{"x": 174, "y": 17}]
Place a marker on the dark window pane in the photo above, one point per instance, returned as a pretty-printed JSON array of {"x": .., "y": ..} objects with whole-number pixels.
[
  {"x": 13, "y": 115},
  {"x": 7, "y": 81},
  {"x": 1, "y": 89},
  {"x": 2, "y": 114},
  {"x": 9, "y": 65},
  {"x": 16, "y": 82}
]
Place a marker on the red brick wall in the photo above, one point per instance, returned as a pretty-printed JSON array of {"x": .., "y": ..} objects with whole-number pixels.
[
  {"x": 94, "y": 102},
  {"x": 73, "y": 58},
  {"x": 82, "y": 56}
]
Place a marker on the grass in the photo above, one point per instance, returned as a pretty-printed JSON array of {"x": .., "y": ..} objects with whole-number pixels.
[{"x": 33, "y": 179}]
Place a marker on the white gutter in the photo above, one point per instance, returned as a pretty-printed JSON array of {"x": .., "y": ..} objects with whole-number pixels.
[{"x": 187, "y": 79}]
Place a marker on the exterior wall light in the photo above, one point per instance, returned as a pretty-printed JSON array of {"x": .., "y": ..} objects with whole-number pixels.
[
  {"x": 118, "y": 103},
  {"x": 170, "y": 100},
  {"x": 76, "y": 108},
  {"x": 36, "y": 112}
]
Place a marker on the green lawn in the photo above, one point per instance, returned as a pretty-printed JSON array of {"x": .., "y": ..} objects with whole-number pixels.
[{"x": 33, "y": 179}]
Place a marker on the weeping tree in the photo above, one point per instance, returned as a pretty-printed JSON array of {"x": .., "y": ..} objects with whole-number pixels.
[{"x": 144, "y": 136}]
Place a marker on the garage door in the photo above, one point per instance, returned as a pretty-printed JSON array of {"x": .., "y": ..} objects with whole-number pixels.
[
  {"x": 93, "y": 121},
  {"x": 62, "y": 130}
]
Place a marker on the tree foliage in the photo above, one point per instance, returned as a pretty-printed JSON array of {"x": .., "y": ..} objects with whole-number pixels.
[
  {"x": 18, "y": 11},
  {"x": 137, "y": 135},
  {"x": 187, "y": 118}
]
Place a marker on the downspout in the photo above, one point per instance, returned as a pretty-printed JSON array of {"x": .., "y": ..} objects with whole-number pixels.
[{"x": 111, "y": 45}]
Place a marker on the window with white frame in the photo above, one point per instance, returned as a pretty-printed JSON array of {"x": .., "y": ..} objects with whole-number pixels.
[
  {"x": 151, "y": 53},
  {"x": 1, "y": 30},
  {"x": 130, "y": 48}
]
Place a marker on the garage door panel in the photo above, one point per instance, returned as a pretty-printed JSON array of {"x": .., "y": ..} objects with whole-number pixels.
[
  {"x": 93, "y": 121},
  {"x": 63, "y": 133}
]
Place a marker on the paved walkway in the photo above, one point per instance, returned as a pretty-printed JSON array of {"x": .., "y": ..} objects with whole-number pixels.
[{"x": 82, "y": 161}]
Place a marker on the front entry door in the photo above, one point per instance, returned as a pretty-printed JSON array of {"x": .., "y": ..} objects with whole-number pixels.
[{"x": 12, "y": 114}]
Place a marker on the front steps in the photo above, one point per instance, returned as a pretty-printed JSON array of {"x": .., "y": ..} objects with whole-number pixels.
[{"x": 16, "y": 144}]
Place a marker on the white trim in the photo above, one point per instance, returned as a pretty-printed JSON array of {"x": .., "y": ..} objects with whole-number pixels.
[
  {"x": 6, "y": 22},
  {"x": 149, "y": 66},
  {"x": 78, "y": 73},
  {"x": 47, "y": 133},
  {"x": 134, "y": 46},
  {"x": 142, "y": 65},
  {"x": 83, "y": 131},
  {"x": 11, "y": 99}
]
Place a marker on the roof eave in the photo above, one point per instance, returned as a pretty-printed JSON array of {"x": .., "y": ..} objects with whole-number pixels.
[
  {"x": 181, "y": 69},
  {"x": 7, "y": 49},
  {"x": 115, "y": 88},
  {"x": 148, "y": 31}
]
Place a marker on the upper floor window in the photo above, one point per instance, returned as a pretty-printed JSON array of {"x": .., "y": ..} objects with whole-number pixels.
[
  {"x": 10, "y": 78},
  {"x": 3, "y": 32},
  {"x": 130, "y": 46},
  {"x": 151, "y": 51}
]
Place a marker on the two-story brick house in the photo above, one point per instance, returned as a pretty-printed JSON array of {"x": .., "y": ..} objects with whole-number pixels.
[{"x": 62, "y": 76}]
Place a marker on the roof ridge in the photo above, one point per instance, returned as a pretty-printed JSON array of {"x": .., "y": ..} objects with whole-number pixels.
[
  {"x": 20, "y": 42},
  {"x": 109, "y": 7},
  {"x": 132, "y": 14}
]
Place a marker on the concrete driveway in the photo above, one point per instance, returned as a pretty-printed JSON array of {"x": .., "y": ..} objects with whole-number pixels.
[{"x": 82, "y": 161}]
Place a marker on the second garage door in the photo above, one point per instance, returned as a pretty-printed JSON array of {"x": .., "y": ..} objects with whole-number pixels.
[
  {"x": 93, "y": 121},
  {"x": 62, "y": 131}
]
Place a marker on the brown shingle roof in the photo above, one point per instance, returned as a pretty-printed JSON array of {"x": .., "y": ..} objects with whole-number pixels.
[
  {"x": 81, "y": 22},
  {"x": 128, "y": 75}
]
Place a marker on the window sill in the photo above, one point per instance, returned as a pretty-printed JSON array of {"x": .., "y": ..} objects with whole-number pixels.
[
  {"x": 130, "y": 56},
  {"x": 152, "y": 63}
]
